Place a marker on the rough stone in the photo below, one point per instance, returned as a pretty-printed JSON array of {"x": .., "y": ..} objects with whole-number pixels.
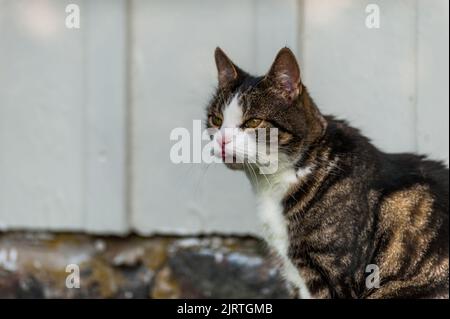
[
  {"x": 233, "y": 270},
  {"x": 33, "y": 265}
]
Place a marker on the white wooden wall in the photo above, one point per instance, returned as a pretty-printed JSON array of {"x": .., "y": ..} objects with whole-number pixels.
[
  {"x": 62, "y": 116},
  {"x": 85, "y": 115}
]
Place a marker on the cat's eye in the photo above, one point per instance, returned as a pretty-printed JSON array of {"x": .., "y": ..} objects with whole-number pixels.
[
  {"x": 253, "y": 123},
  {"x": 215, "y": 120}
]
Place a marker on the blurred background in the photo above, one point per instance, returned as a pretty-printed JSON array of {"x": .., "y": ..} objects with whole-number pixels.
[{"x": 86, "y": 114}]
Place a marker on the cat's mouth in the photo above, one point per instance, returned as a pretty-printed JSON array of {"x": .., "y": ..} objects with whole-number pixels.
[
  {"x": 231, "y": 161},
  {"x": 224, "y": 154},
  {"x": 235, "y": 166},
  {"x": 228, "y": 159}
]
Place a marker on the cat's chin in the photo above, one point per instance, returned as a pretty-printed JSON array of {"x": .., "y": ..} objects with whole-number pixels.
[{"x": 235, "y": 166}]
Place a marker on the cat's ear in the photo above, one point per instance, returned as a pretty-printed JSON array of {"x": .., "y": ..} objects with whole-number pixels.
[
  {"x": 285, "y": 74},
  {"x": 228, "y": 72}
]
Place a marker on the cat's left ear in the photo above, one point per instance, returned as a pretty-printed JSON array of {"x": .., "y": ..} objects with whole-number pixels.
[
  {"x": 285, "y": 74},
  {"x": 228, "y": 72}
]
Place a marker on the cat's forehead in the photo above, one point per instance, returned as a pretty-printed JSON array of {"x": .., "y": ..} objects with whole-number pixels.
[
  {"x": 233, "y": 112},
  {"x": 240, "y": 103},
  {"x": 246, "y": 94},
  {"x": 257, "y": 99}
]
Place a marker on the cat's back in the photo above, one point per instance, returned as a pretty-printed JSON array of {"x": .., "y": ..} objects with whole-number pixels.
[
  {"x": 403, "y": 171},
  {"x": 413, "y": 225}
]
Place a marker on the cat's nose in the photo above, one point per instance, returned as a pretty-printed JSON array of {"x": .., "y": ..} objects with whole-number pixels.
[{"x": 223, "y": 139}]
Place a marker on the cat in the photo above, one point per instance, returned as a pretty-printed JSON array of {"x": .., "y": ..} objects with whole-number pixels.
[{"x": 336, "y": 206}]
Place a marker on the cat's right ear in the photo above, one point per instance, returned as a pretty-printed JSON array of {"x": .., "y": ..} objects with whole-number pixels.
[
  {"x": 228, "y": 72},
  {"x": 285, "y": 74}
]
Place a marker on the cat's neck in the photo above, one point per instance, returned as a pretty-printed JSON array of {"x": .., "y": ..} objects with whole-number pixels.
[{"x": 278, "y": 183}]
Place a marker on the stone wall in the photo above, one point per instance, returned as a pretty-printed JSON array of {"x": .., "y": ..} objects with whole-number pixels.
[{"x": 34, "y": 265}]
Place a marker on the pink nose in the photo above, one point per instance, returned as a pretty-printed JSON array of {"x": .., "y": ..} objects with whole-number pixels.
[{"x": 223, "y": 139}]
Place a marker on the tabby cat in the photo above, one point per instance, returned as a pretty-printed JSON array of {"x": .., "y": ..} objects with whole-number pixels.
[{"x": 336, "y": 206}]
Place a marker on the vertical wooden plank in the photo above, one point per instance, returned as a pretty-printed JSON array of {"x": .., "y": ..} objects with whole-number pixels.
[
  {"x": 41, "y": 117},
  {"x": 276, "y": 27},
  {"x": 432, "y": 78},
  {"x": 105, "y": 29},
  {"x": 366, "y": 76},
  {"x": 173, "y": 76},
  {"x": 62, "y": 116}
]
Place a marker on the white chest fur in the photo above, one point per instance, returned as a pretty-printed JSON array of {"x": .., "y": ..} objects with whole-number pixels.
[{"x": 275, "y": 232}]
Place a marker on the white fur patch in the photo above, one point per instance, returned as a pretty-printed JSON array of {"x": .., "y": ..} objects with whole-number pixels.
[
  {"x": 302, "y": 172},
  {"x": 232, "y": 114},
  {"x": 275, "y": 231}
]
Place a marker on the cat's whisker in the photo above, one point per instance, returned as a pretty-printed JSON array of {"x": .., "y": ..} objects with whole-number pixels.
[
  {"x": 199, "y": 180},
  {"x": 255, "y": 176}
]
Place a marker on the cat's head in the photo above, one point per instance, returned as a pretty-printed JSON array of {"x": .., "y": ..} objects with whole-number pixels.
[{"x": 245, "y": 108}]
